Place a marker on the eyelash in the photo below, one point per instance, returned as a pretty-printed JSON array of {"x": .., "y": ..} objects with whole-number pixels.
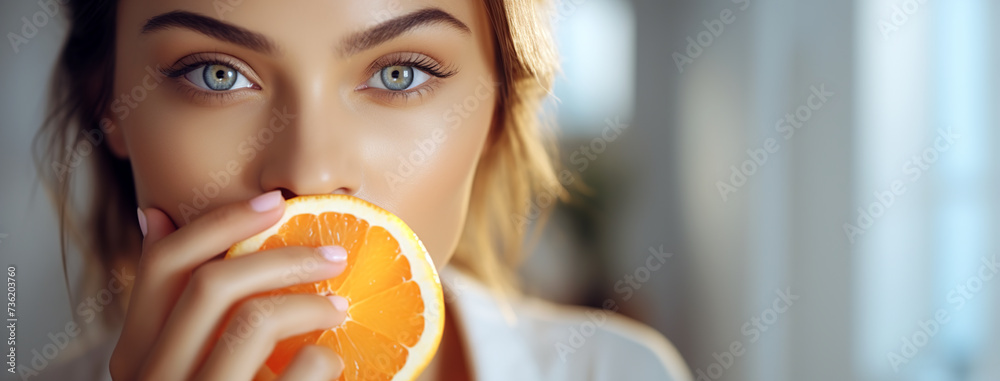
[
  {"x": 415, "y": 60},
  {"x": 190, "y": 63}
]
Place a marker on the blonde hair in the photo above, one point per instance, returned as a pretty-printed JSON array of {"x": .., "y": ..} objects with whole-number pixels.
[
  {"x": 517, "y": 163},
  {"x": 520, "y": 159}
]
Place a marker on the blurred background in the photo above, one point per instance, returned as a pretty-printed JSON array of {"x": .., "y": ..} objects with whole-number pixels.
[{"x": 787, "y": 190}]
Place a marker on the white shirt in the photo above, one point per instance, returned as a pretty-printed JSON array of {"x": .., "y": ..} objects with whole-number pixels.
[
  {"x": 529, "y": 339},
  {"x": 506, "y": 339}
]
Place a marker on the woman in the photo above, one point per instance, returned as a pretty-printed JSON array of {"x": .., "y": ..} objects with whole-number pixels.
[{"x": 208, "y": 114}]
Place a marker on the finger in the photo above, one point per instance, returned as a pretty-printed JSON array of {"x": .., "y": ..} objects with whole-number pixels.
[
  {"x": 170, "y": 254},
  {"x": 314, "y": 363},
  {"x": 141, "y": 322},
  {"x": 218, "y": 285},
  {"x": 216, "y": 231},
  {"x": 158, "y": 225},
  {"x": 259, "y": 324},
  {"x": 168, "y": 257}
]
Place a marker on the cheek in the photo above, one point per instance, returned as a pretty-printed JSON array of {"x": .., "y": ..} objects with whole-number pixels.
[
  {"x": 427, "y": 180},
  {"x": 187, "y": 161}
]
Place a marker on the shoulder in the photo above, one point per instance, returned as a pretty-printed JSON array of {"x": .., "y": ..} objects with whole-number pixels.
[{"x": 588, "y": 343}]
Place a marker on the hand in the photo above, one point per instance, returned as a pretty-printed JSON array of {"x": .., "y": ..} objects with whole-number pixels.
[{"x": 182, "y": 298}]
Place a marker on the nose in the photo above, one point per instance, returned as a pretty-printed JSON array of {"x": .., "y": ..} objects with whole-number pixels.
[{"x": 313, "y": 152}]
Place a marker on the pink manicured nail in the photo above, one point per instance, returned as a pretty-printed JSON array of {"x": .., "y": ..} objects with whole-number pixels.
[
  {"x": 266, "y": 201},
  {"x": 142, "y": 220},
  {"x": 338, "y": 302},
  {"x": 333, "y": 253}
]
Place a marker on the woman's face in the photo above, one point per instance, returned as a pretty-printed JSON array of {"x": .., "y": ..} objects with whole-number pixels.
[{"x": 390, "y": 101}]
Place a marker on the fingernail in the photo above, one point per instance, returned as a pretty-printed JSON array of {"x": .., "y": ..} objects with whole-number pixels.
[
  {"x": 338, "y": 302},
  {"x": 333, "y": 253},
  {"x": 142, "y": 220},
  {"x": 266, "y": 201}
]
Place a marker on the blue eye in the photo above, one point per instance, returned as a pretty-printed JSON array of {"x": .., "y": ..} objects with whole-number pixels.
[
  {"x": 397, "y": 78},
  {"x": 218, "y": 77}
]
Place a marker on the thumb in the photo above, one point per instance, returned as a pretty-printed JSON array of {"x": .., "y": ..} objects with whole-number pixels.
[{"x": 155, "y": 224}]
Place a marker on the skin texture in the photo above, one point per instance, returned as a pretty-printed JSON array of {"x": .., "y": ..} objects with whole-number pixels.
[{"x": 308, "y": 125}]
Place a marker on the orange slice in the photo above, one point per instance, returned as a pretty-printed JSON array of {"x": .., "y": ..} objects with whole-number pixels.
[{"x": 396, "y": 313}]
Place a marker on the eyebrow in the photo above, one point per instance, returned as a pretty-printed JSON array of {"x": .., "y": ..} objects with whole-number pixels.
[
  {"x": 390, "y": 29},
  {"x": 212, "y": 28},
  {"x": 352, "y": 44}
]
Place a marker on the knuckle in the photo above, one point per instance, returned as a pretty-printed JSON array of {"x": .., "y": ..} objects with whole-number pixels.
[
  {"x": 226, "y": 215},
  {"x": 255, "y": 315},
  {"x": 316, "y": 357},
  {"x": 158, "y": 258},
  {"x": 307, "y": 253},
  {"x": 205, "y": 282},
  {"x": 307, "y": 259},
  {"x": 151, "y": 257},
  {"x": 298, "y": 264},
  {"x": 300, "y": 253}
]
